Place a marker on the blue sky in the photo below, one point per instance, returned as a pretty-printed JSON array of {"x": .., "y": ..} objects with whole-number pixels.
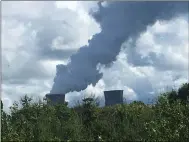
[{"x": 36, "y": 36}]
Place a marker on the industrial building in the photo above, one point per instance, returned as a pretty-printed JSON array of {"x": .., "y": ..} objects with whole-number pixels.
[
  {"x": 53, "y": 99},
  {"x": 113, "y": 97}
]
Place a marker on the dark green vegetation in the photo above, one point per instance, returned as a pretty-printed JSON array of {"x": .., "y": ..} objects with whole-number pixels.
[{"x": 166, "y": 120}]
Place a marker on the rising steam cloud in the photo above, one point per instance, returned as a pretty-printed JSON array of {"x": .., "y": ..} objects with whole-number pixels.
[{"x": 118, "y": 21}]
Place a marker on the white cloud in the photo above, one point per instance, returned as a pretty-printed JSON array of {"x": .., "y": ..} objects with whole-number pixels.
[
  {"x": 167, "y": 69},
  {"x": 28, "y": 32}
]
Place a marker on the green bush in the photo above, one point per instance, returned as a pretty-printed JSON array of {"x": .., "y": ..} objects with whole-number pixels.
[{"x": 166, "y": 120}]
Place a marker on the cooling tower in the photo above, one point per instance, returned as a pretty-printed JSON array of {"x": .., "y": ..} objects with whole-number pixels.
[
  {"x": 55, "y": 98},
  {"x": 113, "y": 97}
]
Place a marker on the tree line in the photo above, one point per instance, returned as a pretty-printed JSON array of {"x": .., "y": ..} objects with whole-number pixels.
[{"x": 165, "y": 120}]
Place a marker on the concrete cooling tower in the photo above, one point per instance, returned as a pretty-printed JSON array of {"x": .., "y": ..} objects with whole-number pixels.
[
  {"x": 55, "y": 98},
  {"x": 113, "y": 97}
]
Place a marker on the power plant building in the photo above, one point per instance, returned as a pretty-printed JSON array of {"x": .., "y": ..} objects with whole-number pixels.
[
  {"x": 113, "y": 97},
  {"x": 55, "y": 98}
]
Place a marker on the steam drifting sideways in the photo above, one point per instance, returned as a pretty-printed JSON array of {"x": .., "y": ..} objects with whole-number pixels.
[{"x": 119, "y": 21}]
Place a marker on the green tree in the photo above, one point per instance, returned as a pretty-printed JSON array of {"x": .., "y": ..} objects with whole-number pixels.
[{"x": 183, "y": 92}]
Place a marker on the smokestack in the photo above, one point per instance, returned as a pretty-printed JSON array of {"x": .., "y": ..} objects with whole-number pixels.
[
  {"x": 55, "y": 98},
  {"x": 113, "y": 97}
]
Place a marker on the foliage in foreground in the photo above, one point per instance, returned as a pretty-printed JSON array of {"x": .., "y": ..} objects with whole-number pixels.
[{"x": 166, "y": 120}]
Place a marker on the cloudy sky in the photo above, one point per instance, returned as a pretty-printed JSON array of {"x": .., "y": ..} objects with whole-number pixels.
[{"x": 36, "y": 36}]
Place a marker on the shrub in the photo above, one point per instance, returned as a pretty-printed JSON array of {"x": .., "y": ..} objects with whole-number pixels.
[{"x": 166, "y": 120}]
